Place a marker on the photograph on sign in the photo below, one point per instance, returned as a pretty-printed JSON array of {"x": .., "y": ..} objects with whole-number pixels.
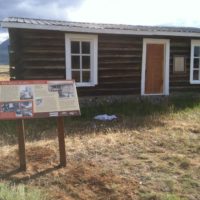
[
  {"x": 64, "y": 90},
  {"x": 16, "y": 109},
  {"x": 26, "y": 92},
  {"x": 39, "y": 102}
]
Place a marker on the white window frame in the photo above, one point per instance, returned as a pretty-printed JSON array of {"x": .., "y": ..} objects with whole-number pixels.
[
  {"x": 193, "y": 44},
  {"x": 93, "y": 39}
]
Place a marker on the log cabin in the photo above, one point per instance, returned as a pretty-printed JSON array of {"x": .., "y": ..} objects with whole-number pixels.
[{"x": 106, "y": 59}]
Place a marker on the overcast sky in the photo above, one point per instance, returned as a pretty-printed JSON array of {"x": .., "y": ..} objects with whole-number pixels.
[{"x": 136, "y": 12}]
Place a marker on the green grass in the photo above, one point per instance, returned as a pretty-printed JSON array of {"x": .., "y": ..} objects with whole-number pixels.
[
  {"x": 155, "y": 196},
  {"x": 143, "y": 107},
  {"x": 142, "y": 112},
  {"x": 172, "y": 197},
  {"x": 20, "y": 192}
]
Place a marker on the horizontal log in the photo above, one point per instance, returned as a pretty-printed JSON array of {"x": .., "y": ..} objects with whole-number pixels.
[
  {"x": 120, "y": 85},
  {"x": 44, "y": 39},
  {"x": 118, "y": 45},
  {"x": 120, "y": 56},
  {"x": 45, "y": 67},
  {"x": 120, "y": 65},
  {"x": 125, "y": 49},
  {"x": 185, "y": 88},
  {"x": 181, "y": 84},
  {"x": 122, "y": 69},
  {"x": 183, "y": 45},
  {"x": 117, "y": 82},
  {"x": 116, "y": 79},
  {"x": 42, "y": 77},
  {"x": 40, "y": 32},
  {"x": 119, "y": 76},
  {"x": 120, "y": 41},
  {"x": 52, "y": 59},
  {"x": 44, "y": 51},
  {"x": 43, "y": 43},
  {"x": 121, "y": 79},
  {"x": 109, "y": 36},
  {"x": 179, "y": 39},
  {"x": 179, "y": 75},
  {"x": 181, "y": 51},
  {"x": 183, "y": 77},
  {"x": 121, "y": 62},
  {"x": 29, "y": 36},
  {"x": 43, "y": 63}
]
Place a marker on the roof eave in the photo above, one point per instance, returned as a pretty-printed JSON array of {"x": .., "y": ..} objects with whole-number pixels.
[{"x": 97, "y": 31}]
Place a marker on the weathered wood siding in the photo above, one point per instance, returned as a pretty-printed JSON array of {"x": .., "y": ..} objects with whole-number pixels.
[
  {"x": 41, "y": 55},
  {"x": 180, "y": 82}
]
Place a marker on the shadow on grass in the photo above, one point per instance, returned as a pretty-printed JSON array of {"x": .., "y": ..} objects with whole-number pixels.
[
  {"x": 10, "y": 176},
  {"x": 10, "y": 173},
  {"x": 131, "y": 115}
]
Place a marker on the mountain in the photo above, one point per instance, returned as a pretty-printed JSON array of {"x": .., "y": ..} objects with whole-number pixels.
[{"x": 4, "y": 58}]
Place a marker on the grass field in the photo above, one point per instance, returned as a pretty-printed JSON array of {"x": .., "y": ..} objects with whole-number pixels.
[{"x": 151, "y": 152}]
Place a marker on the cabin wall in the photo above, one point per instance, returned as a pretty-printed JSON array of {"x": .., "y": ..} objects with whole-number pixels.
[
  {"x": 14, "y": 53},
  {"x": 180, "y": 82},
  {"x": 41, "y": 55}
]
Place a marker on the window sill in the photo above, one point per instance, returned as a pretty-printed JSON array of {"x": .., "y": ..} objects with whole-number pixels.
[
  {"x": 85, "y": 85},
  {"x": 194, "y": 82}
]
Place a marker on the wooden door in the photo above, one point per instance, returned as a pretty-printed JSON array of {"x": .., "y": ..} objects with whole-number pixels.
[{"x": 154, "y": 68}]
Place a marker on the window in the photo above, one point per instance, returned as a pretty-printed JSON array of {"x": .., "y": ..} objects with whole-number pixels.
[
  {"x": 195, "y": 62},
  {"x": 179, "y": 64},
  {"x": 81, "y": 59}
]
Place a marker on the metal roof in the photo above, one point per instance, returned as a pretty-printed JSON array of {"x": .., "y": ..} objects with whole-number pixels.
[{"x": 43, "y": 24}]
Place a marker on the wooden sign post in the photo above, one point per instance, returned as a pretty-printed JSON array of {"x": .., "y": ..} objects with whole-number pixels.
[
  {"x": 27, "y": 99},
  {"x": 61, "y": 141},
  {"x": 21, "y": 143}
]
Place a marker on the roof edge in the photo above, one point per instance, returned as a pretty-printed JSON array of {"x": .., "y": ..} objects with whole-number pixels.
[{"x": 5, "y": 24}]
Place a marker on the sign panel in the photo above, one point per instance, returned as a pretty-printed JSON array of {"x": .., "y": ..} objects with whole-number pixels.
[{"x": 34, "y": 99}]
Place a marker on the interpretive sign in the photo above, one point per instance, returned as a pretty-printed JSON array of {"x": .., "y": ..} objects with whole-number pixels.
[{"x": 35, "y": 99}]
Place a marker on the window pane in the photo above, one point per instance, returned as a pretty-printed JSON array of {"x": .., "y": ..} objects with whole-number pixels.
[
  {"x": 197, "y": 51},
  {"x": 196, "y": 75},
  {"x": 75, "y": 47},
  {"x": 86, "y": 47},
  {"x": 75, "y": 62},
  {"x": 86, "y": 76},
  {"x": 86, "y": 62},
  {"x": 196, "y": 63},
  {"x": 76, "y": 76}
]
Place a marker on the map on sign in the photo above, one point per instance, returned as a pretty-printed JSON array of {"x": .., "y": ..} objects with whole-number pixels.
[{"x": 33, "y": 99}]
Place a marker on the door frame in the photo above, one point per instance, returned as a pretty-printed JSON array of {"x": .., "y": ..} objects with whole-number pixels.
[{"x": 166, "y": 43}]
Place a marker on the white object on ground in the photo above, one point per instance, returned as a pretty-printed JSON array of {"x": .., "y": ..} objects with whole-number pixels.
[{"x": 105, "y": 117}]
